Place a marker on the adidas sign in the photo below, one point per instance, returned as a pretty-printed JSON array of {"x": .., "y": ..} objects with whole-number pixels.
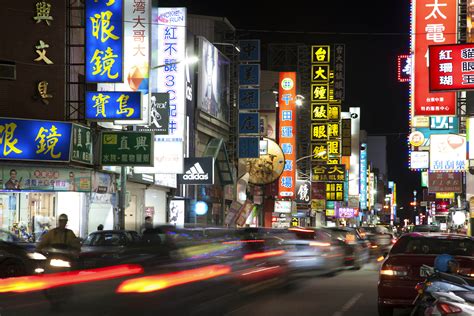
[{"x": 196, "y": 173}]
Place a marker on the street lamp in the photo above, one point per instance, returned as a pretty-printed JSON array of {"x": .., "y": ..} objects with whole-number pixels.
[
  {"x": 299, "y": 100},
  {"x": 237, "y": 48}
]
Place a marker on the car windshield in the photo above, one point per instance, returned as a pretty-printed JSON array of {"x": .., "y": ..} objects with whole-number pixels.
[
  {"x": 105, "y": 239},
  {"x": 426, "y": 228},
  {"x": 435, "y": 246}
]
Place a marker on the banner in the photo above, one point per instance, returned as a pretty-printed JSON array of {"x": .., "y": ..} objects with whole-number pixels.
[{"x": 45, "y": 179}]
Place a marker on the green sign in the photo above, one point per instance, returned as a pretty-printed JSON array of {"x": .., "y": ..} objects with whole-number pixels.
[
  {"x": 81, "y": 144},
  {"x": 126, "y": 149}
]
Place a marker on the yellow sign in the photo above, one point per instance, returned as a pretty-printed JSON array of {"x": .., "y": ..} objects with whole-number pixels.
[
  {"x": 319, "y": 151},
  {"x": 334, "y": 148},
  {"x": 318, "y": 204},
  {"x": 333, "y": 130},
  {"x": 41, "y": 51},
  {"x": 334, "y": 112},
  {"x": 110, "y": 139},
  {"x": 445, "y": 195},
  {"x": 320, "y": 73},
  {"x": 43, "y": 10},
  {"x": 319, "y": 111},
  {"x": 320, "y": 92},
  {"x": 330, "y": 213},
  {"x": 320, "y": 54},
  {"x": 43, "y": 91},
  {"x": 319, "y": 131},
  {"x": 416, "y": 138}
]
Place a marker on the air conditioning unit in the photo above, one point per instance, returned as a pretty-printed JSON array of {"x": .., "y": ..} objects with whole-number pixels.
[{"x": 7, "y": 71}]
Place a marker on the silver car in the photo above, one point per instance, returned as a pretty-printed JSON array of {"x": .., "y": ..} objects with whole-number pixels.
[{"x": 313, "y": 252}]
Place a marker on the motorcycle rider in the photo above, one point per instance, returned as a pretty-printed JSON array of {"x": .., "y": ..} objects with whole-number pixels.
[
  {"x": 447, "y": 264},
  {"x": 60, "y": 235}
]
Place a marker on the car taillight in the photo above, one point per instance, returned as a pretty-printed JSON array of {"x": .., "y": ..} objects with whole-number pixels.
[
  {"x": 394, "y": 240},
  {"x": 390, "y": 270},
  {"x": 447, "y": 309}
]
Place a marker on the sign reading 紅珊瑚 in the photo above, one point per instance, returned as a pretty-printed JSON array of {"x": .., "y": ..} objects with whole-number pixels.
[{"x": 126, "y": 149}]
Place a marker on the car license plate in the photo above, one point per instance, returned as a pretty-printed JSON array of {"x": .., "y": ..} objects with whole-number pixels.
[{"x": 423, "y": 272}]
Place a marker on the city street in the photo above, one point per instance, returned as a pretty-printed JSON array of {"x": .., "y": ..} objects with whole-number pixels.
[{"x": 350, "y": 293}]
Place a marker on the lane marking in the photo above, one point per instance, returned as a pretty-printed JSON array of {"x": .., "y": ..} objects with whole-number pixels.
[{"x": 349, "y": 304}]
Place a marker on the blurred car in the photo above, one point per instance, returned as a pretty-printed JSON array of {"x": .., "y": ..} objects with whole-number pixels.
[
  {"x": 357, "y": 251},
  {"x": 18, "y": 258},
  {"x": 381, "y": 240},
  {"x": 109, "y": 247},
  {"x": 314, "y": 252},
  {"x": 401, "y": 270}
]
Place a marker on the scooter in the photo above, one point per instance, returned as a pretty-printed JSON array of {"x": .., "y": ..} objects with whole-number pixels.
[
  {"x": 438, "y": 282},
  {"x": 459, "y": 303},
  {"x": 61, "y": 258}
]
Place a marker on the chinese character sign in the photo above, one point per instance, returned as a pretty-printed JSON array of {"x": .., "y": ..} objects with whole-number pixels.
[
  {"x": 81, "y": 147},
  {"x": 287, "y": 132},
  {"x": 363, "y": 178},
  {"x": 447, "y": 153},
  {"x": 435, "y": 24},
  {"x": 451, "y": 67},
  {"x": 126, "y": 149},
  {"x": 109, "y": 106},
  {"x": 34, "y": 140},
  {"x": 104, "y": 40}
]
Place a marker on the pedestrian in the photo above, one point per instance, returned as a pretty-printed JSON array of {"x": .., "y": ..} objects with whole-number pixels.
[
  {"x": 148, "y": 224},
  {"x": 60, "y": 235},
  {"x": 100, "y": 227}
]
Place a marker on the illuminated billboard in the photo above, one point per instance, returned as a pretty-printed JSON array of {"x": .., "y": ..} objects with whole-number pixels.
[
  {"x": 433, "y": 23},
  {"x": 447, "y": 153},
  {"x": 104, "y": 41},
  {"x": 287, "y": 132},
  {"x": 451, "y": 67}
]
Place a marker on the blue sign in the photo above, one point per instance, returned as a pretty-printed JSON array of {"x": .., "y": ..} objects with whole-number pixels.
[
  {"x": 249, "y": 50},
  {"x": 110, "y": 106},
  {"x": 249, "y": 147},
  {"x": 249, "y": 75},
  {"x": 104, "y": 41},
  {"x": 34, "y": 140},
  {"x": 249, "y": 99},
  {"x": 249, "y": 123},
  {"x": 444, "y": 122}
]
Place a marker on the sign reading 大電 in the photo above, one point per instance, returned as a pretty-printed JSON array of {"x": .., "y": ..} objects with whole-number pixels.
[
  {"x": 34, "y": 140},
  {"x": 126, "y": 149}
]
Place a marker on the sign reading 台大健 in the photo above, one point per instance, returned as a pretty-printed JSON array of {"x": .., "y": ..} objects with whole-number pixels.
[
  {"x": 110, "y": 106},
  {"x": 126, "y": 149},
  {"x": 34, "y": 140},
  {"x": 324, "y": 172},
  {"x": 104, "y": 41}
]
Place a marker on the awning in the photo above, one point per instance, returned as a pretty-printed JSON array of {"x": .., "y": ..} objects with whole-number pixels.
[{"x": 216, "y": 148}]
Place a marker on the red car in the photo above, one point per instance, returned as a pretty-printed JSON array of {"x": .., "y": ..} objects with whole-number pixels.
[{"x": 400, "y": 272}]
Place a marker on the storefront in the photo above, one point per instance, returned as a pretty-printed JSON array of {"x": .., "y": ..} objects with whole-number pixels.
[{"x": 31, "y": 206}]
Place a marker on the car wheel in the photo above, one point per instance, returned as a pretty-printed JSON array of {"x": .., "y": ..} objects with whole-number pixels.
[
  {"x": 11, "y": 268},
  {"x": 385, "y": 310}
]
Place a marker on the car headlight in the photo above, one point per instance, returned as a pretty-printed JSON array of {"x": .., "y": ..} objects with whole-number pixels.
[
  {"x": 36, "y": 256},
  {"x": 60, "y": 263}
]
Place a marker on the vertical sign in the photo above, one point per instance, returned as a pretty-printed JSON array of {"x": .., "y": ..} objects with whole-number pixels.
[
  {"x": 81, "y": 144},
  {"x": 287, "y": 132},
  {"x": 136, "y": 58},
  {"x": 104, "y": 41},
  {"x": 339, "y": 71},
  {"x": 363, "y": 177},
  {"x": 434, "y": 23},
  {"x": 171, "y": 79}
]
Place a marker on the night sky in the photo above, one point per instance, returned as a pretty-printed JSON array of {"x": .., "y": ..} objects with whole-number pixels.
[{"x": 375, "y": 33}]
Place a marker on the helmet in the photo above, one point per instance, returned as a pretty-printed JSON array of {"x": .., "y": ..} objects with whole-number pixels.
[
  {"x": 62, "y": 217},
  {"x": 441, "y": 262}
]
